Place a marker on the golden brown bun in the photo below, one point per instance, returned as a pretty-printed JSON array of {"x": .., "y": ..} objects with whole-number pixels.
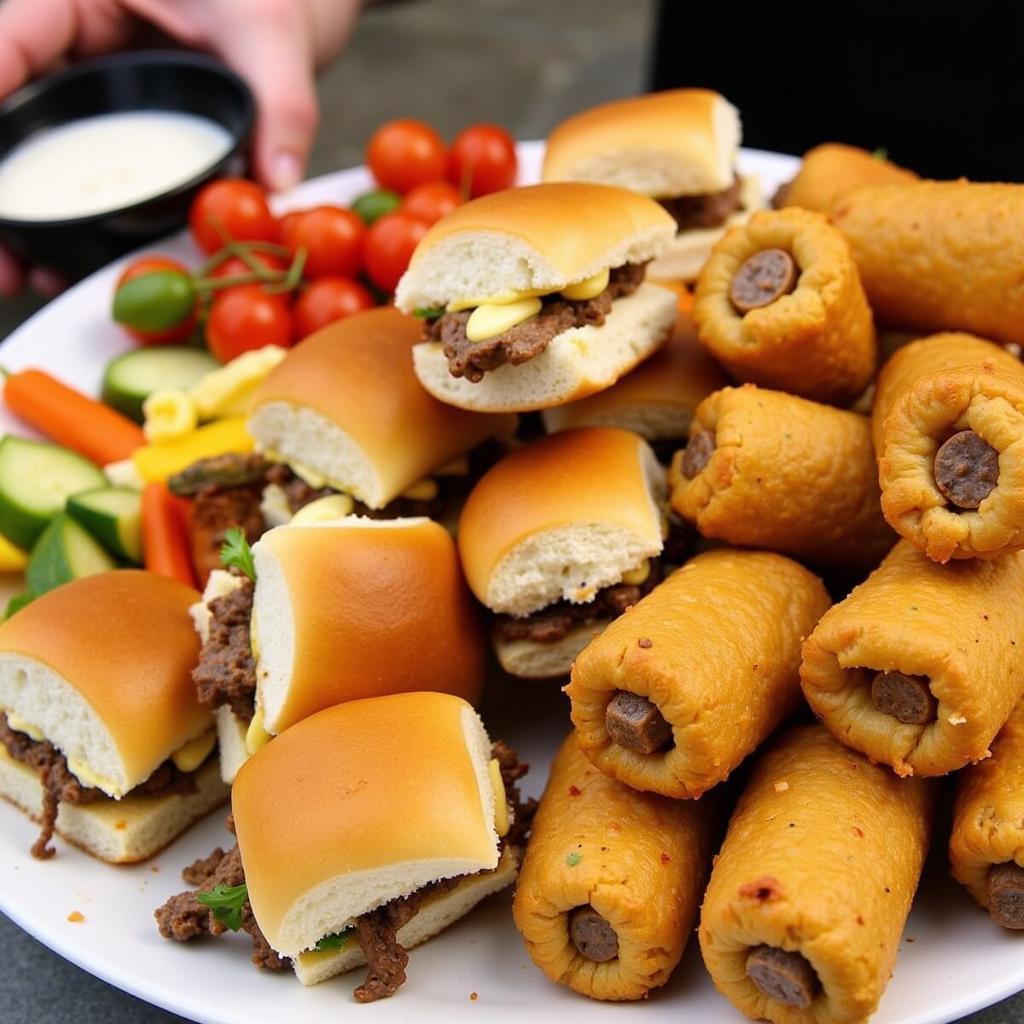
[
  {"x": 122, "y": 646},
  {"x": 563, "y": 507},
  {"x": 394, "y": 794},
  {"x": 831, "y": 170},
  {"x": 539, "y": 237},
  {"x": 680, "y": 142},
  {"x": 361, "y": 608},
  {"x": 357, "y": 375}
]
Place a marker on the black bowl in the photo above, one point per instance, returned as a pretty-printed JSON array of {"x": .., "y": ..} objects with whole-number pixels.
[{"x": 146, "y": 80}]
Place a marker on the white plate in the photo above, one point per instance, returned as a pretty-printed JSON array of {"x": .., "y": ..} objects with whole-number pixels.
[{"x": 953, "y": 960}]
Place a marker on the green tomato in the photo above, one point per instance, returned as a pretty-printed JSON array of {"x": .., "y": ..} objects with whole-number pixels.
[
  {"x": 373, "y": 205},
  {"x": 155, "y": 302}
]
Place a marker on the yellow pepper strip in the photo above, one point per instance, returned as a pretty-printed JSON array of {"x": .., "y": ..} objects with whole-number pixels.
[
  {"x": 12, "y": 559},
  {"x": 227, "y": 390},
  {"x": 156, "y": 462},
  {"x": 170, "y": 413}
]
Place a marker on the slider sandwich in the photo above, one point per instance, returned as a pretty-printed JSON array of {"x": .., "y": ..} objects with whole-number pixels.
[
  {"x": 362, "y": 832},
  {"x": 680, "y": 148},
  {"x": 321, "y": 613},
  {"x": 342, "y": 415},
  {"x": 558, "y": 539},
  {"x": 537, "y": 296},
  {"x": 101, "y": 736}
]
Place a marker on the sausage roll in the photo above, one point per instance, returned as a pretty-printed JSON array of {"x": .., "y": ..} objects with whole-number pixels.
[
  {"x": 675, "y": 693},
  {"x": 986, "y": 848},
  {"x": 779, "y": 303},
  {"x": 811, "y": 889},
  {"x": 609, "y": 890},
  {"x": 770, "y": 470},
  {"x": 922, "y": 664}
]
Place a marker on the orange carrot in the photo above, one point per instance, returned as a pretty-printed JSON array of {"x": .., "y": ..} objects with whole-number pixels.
[
  {"x": 70, "y": 418},
  {"x": 165, "y": 538}
]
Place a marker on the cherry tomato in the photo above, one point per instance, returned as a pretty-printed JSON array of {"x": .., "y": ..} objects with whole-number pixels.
[
  {"x": 431, "y": 201},
  {"x": 234, "y": 267},
  {"x": 231, "y": 207},
  {"x": 142, "y": 267},
  {"x": 333, "y": 238},
  {"x": 389, "y": 247},
  {"x": 482, "y": 160},
  {"x": 244, "y": 318},
  {"x": 404, "y": 153},
  {"x": 327, "y": 300}
]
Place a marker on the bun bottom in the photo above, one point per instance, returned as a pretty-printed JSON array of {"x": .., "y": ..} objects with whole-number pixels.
[
  {"x": 435, "y": 915},
  {"x": 653, "y": 422},
  {"x": 117, "y": 831},
  {"x": 528, "y": 659},
  {"x": 231, "y": 746},
  {"x": 578, "y": 362}
]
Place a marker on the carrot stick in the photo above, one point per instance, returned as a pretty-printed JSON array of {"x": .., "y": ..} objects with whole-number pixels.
[
  {"x": 70, "y": 418},
  {"x": 165, "y": 539}
]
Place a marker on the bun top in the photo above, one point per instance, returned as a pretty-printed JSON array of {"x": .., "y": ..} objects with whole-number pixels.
[
  {"x": 361, "y": 608},
  {"x": 540, "y": 238},
  {"x": 666, "y": 144},
  {"x": 109, "y": 663},
  {"x": 358, "y": 805},
  {"x": 357, "y": 374},
  {"x": 560, "y": 518}
]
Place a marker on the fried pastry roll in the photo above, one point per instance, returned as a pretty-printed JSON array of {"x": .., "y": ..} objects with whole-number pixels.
[
  {"x": 952, "y": 464},
  {"x": 940, "y": 255},
  {"x": 922, "y": 664},
  {"x": 770, "y": 470},
  {"x": 779, "y": 303},
  {"x": 609, "y": 890},
  {"x": 986, "y": 848},
  {"x": 813, "y": 884},
  {"x": 675, "y": 693}
]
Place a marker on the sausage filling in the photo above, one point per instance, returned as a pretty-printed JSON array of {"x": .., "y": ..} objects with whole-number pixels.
[
  {"x": 763, "y": 278},
  {"x": 966, "y": 469},
  {"x": 1006, "y": 895},
  {"x": 636, "y": 723},
  {"x": 785, "y": 977},
  {"x": 592, "y": 935},
  {"x": 697, "y": 453},
  {"x": 907, "y": 698}
]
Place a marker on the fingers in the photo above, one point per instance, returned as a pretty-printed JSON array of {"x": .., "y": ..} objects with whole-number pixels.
[
  {"x": 12, "y": 275},
  {"x": 33, "y": 34}
]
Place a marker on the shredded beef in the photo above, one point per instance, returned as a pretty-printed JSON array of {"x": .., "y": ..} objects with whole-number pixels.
[
  {"x": 512, "y": 770},
  {"x": 232, "y": 469},
  {"x": 226, "y": 673},
  {"x": 60, "y": 786},
  {"x": 553, "y": 623},
  {"x": 472, "y": 359},
  {"x": 710, "y": 210},
  {"x": 215, "y": 510}
]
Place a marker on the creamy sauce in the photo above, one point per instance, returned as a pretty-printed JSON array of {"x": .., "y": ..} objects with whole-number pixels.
[{"x": 105, "y": 163}]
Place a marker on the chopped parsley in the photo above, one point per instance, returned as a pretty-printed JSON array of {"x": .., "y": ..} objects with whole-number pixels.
[
  {"x": 881, "y": 153},
  {"x": 428, "y": 312},
  {"x": 226, "y": 902},
  {"x": 573, "y": 859},
  {"x": 332, "y": 942},
  {"x": 235, "y": 552}
]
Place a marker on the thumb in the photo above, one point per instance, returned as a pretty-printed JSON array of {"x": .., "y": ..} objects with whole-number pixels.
[{"x": 274, "y": 54}]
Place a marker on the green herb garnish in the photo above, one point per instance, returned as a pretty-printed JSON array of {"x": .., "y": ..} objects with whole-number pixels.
[
  {"x": 332, "y": 942},
  {"x": 235, "y": 552},
  {"x": 573, "y": 859},
  {"x": 428, "y": 312},
  {"x": 226, "y": 902},
  {"x": 18, "y": 602},
  {"x": 881, "y": 153}
]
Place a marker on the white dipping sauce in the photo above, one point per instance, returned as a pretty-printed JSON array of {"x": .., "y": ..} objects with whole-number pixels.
[{"x": 107, "y": 162}]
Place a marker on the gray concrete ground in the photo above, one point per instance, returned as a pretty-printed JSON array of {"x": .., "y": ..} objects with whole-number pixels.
[{"x": 521, "y": 63}]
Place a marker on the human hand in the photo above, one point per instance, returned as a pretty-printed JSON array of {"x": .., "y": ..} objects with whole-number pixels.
[{"x": 275, "y": 45}]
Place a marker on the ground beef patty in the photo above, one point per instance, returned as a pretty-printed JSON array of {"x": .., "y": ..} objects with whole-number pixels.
[
  {"x": 226, "y": 673},
  {"x": 710, "y": 210},
  {"x": 551, "y": 624},
  {"x": 60, "y": 786},
  {"x": 472, "y": 359}
]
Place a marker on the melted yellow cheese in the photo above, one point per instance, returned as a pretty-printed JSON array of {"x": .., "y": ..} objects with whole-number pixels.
[
  {"x": 638, "y": 575},
  {"x": 325, "y": 510},
  {"x": 256, "y": 736},
  {"x": 227, "y": 390},
  {"x": 501, "y": 299},
  {"x": 490, "y": 320},
  {"x": 189, "y": 756},
  {"x": 90, "y": 778},
  {"x": 589, "y": 288},
  {"x": 501, "y": 818},
  {"x": 424, "y": 490},
  {"x": 310, "y": 476},
  {"x": 457, "y": 467},
  {"x": 20, "y": 724}
]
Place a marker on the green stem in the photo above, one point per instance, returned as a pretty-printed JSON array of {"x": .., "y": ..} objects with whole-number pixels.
[{"x": 293, "y": 277}]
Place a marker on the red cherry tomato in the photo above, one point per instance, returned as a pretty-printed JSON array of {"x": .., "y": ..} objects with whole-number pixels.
[
  {"x": 146, "y": 265},
  {"x": 431, "y": 201},
  {"x": 333, "y": 238},
  {"x": 482, "y": 160},
  {"x": 231, "y": 207},
  {"x": 327, "y": 300},
  {"x": 405, "y": 153},
  {"x": 234, "y": 266},
  {"x": 244, "y": 318},
  {"x": 389, "y": 247}
]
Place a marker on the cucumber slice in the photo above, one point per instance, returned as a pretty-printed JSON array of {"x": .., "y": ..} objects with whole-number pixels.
[
  {"x": 65, "y": 551},
  {"x": 131, "y": 378},
  {"x": 113, "y": 515},
  {"x": 36, "y": 479}
]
